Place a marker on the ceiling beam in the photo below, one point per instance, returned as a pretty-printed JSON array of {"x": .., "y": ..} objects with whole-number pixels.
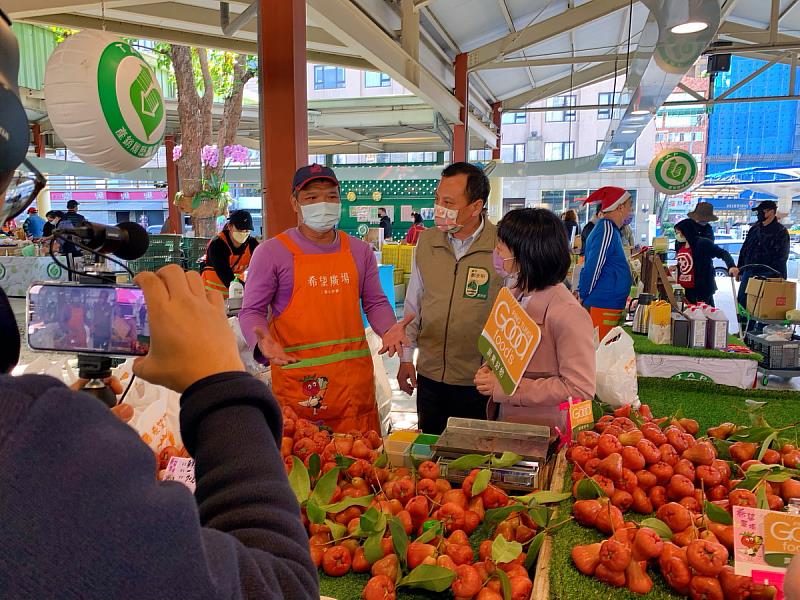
[
  {"x": 543, "y": 30},
  {"x": 23, "y": 9},
  {"x": 554, "y": 60},
  {"x": 580, "y": 79},
  {"x": 752, "y": 35},
  {"x": 787, "y": 8},
  {"x": 346, "y": 21}
]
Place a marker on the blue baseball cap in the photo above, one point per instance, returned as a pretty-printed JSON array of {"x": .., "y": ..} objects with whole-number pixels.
[{"x": 309, "y": 173}]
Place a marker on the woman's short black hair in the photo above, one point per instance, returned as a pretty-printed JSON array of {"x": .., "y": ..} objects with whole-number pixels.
[
  {"x": 417, "y": 218},
  {"x": 538, "y": 241}
]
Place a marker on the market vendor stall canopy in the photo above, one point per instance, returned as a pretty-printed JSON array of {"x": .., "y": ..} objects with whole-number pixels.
[
  {"x": 516, "y": 53},
  {"x": 780, "y": 183}
]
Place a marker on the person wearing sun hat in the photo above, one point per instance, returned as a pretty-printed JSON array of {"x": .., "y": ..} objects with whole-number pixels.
[
  {"x": 703, "y": 215},
  {"x": 605, "y": 280}
]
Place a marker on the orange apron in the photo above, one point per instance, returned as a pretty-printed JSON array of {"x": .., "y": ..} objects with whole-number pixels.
[
  {"x": 333, "y": 383},
  {"x": 238, "y": 264},
  {"x": 605, "y": 319}
]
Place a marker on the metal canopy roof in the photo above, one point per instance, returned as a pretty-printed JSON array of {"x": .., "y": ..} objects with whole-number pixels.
[{"x": 519, "y": 51}]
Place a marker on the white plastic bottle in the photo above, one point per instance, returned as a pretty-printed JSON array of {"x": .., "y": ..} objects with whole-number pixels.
[
  {"x": 235, "y": 289},
  {"x": 716, "y": 329}
]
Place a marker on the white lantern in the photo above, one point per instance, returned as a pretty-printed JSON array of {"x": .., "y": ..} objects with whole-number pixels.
[{"x": 104, "y": 101}]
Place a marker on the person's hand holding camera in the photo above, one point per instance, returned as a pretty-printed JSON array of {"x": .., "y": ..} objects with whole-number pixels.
[{"x": 189, "y": 334}]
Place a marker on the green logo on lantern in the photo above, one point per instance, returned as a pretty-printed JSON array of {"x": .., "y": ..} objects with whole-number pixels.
[
  {"x": 131, "y": 100},
  {"x": 53, "y": 271}
]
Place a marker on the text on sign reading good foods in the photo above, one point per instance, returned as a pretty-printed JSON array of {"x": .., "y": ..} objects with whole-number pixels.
[{"x": 512, "y": 339}]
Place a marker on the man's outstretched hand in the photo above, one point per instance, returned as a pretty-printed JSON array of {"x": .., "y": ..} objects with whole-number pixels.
[{"x": 395, "y": 339}]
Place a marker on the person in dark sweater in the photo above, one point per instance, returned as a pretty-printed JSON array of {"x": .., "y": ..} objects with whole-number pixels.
[
  {"x": 83, "y": 516},
  {"x": 696, "y": 263},
  {"x": 53, "y": 218},
  {"x": 766, "y": 248},
  {"x": 385, "y": 224},
  {"x": 587, "y": 229},
  {"x": 105, "y": 528}
]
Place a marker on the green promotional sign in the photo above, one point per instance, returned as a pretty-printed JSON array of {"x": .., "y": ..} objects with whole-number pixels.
[
  {"x": 692, "y": 376},
  {"x": 53, "y": 271},
  {"x": 672, "y": 171},
  {"x": 131, "y": 99}
]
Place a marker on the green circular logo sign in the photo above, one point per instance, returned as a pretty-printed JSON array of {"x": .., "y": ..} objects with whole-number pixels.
[
  {"x": 53, "y": 271},
  {"x": 672, "y": 171},
  {"x": 363, "y": 229},
  {"x": 131, "y": 100},
  {"x": 692, "y": 376}
]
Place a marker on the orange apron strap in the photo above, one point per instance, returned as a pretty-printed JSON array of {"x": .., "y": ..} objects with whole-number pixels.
[{"x": 289, "y": 243}]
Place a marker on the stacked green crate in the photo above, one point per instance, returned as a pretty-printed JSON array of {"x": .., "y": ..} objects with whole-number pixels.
[
  {"x": 163, "y": 250},
  {"x": 194, "y": 249}
]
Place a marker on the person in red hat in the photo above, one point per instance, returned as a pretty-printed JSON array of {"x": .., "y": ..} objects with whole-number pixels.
[
  {"x": 302, "y": 311},
  {"x": 34, "y": 224},
  {"x": 606, "y": 279}
]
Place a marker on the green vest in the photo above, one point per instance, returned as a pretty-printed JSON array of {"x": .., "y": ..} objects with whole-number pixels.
[{"x": 457, "y": 299}]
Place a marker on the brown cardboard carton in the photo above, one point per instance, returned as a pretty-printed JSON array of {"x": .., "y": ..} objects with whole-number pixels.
[{"x": 770, "y": 298}]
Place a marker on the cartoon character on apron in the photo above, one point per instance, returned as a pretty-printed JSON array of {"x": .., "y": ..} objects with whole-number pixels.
[{"x": 333, "y": 381}]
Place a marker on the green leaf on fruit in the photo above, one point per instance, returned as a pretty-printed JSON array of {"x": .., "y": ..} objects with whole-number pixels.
[
  {"x": 430, "y": 533},
  {"x": 299, "y": 480},
  {"x": 314, "y": 465},
  {"x": 505, "y": 583},
  {"x": 717, "y": 514},
  {"x": 399, "y": 539},
  {"x": 748, "y": 483},
  {"x": 373, "y": 551},
  {"x": 533, "y": 549},
  {"x": 752, "y": 434},
  {"x": 428, "y": 577},
  {"x": 481, "y": 481},
  {"x": 338, "y": 531},
  {"x": 504, "y": 551},
  {"x": 549, "y": 497},
  {"x": 326, "y": 486},
  {"x": 494, "y": 515},
  {"x": 506, "y": 460},
  {"x": 540, "y": 515},
  {"x": 369, "y": 520},
  {"x": 468, "y": 462},
  {"x": 722, "y": 447},
  {"x": 344, "y": 461},
  {"x": 314, "y": 513},
  {"x": 381, "y": 461},
  {"x": 761, "y": 498},
  {"x": 347, "y": 502},
  {"x": 588, "y": 488},
  {"x": 779, "y": 476},
  {"x": 657, "y": 525},
  {"x": 767, "y": 443}
]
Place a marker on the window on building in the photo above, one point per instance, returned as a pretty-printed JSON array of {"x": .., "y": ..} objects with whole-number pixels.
[
  {"x": 609, "y": 98},
  {"x": 629, "y": 158},
  {"x": 373, "y": 79},
  {"x": 698, "y": 136},
  {"x": 512, "y": 153},
  {"x": 553, "y": 199},
  {"x": 316, "y": 158},
  {"x": 560, "y": 115},
  {"x": 514, "y": 118},
  {"x": 558, "y": 150},
  {"x": 480, "y": 155},
  {"x": 328, "y": 78},
  {"x": 660, "y": 137}
]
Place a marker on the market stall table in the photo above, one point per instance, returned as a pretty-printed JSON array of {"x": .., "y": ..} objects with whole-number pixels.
[
  {"x": 692, "y": 364},
  {"x": 18, "y": 272}
]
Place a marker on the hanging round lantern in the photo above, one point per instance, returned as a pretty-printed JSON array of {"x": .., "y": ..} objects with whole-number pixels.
[{"x": 104, "y": 101}]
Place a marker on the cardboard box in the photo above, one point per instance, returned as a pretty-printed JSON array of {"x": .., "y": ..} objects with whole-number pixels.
[{"x": 770, "y": 298}]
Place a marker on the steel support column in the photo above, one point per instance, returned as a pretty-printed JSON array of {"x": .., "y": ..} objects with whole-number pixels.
[
  {"x": 461, "y": 92},
  {"x": 174, "y": 218},
  {"x": 282, "y": 104},
  {"x": 497, "y": 119}
]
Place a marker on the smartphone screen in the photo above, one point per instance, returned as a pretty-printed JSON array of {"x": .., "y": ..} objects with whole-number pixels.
[{"x": 100, "y": 319}]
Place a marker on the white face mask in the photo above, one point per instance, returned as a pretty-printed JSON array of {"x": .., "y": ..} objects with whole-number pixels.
[
  {"x": 240, "y": 237},
  {"x": 322, "y": 216},
  {"x": 446, "y": 219},
  {"x": 680, "y": 237}
]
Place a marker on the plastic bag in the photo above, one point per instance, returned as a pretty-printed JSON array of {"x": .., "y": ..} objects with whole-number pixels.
[{"x": 616, "y": 383}]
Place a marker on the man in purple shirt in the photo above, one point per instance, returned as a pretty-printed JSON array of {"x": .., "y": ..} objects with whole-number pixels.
[{"x": 301, "y": 311}]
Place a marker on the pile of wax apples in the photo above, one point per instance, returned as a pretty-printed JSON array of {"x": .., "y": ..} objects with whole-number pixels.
[
  {"x": 632, "y": 461},
  {"x": 410, "y": 528}
]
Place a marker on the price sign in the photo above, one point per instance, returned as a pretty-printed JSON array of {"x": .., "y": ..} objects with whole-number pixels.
[
  {"x": 181, "y": 469},
  {"x": 509, "y": 339}
]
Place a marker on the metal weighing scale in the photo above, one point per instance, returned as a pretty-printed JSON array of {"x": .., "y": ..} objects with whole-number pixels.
[{"x": 535, "y": 443}]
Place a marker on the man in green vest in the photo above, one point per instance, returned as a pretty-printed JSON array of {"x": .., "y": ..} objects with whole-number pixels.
[{"x": 452, "y": 289}]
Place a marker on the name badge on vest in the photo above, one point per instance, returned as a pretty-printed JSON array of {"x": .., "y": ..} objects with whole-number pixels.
[{"x": 477, "y": 284}]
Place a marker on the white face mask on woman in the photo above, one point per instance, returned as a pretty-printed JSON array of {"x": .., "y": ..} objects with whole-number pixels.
[
  {"x": 322, "y": 216},
  {"x": 680, "y": 237},
  {"x": 240, "y": 237}
]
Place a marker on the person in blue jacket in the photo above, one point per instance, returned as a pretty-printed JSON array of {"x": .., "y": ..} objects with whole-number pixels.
[
  {"x": 605, "y": 280},
  {"x": 33, "y": 226}
]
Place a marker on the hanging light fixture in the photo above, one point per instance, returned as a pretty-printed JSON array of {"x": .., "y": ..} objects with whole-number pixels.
[{"x": 685, "y": 17}]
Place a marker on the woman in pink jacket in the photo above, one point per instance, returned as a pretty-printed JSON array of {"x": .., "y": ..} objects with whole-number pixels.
[{"x": 533, "y": 254}]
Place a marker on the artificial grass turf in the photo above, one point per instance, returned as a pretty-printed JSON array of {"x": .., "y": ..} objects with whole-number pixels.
[
  {"x": 643, "y": 345},
  {"x": 710, "y": 405}
]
